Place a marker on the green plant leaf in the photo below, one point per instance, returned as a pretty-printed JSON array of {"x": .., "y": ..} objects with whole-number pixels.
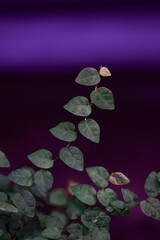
[
  {"x": 103, "y": 98},
  {"x": 21, "y": 176},
  {"x": 75, "y": 208},
  {"x": 79, "y": 106},
  {"x": 90, "y": 129},
  {"x": 65, "y": 131},
  {"x": 61, "y": 215},
  {"x": 158, "y": 176},
  {"x": 3, "y": 197},
  {"x": 100, "y": 234},
  {"x": 3, "y": 160},
  {"x": 51, "y": 233},
  {"x": 129, "y": 197},
  {"x": 92, "y": 218},
  {"x": 7, "y": 207},
  {"x": 106, "y": 196},
  {"x": 85, "y": 193},
  {"x": 58, "y": 197},
  {"x": 4, "y": 235},
  {"x": 53, "y": 221},
  {"x": 118, "y": 178},
  {"x": 151, "y": 207},
  {"x": 41, "y": 158},
  {"x": 88, "y": 77},
  {"x": 152, "y": 185},
  {"x": 40, "y": 238},
  {"x": 43, "y": 181},
  {"x": 15, "y": 221},
  {"x": 3, "y": 181},
  {"x": 119, "y": 208},
  {"x": 99, "y": 176},
  {"x": 72, "y": 157},
  {"x": 25, "y": 202},
  {"x": 75, "y": 228}
]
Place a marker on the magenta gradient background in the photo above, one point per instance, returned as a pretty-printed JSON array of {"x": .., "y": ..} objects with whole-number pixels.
[{"x": 43, "y": 46}]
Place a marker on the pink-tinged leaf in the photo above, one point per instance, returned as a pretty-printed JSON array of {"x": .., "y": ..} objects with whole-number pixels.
[
  {"x": 118, "y": 178},
  {"x": 104, "y": 72}
]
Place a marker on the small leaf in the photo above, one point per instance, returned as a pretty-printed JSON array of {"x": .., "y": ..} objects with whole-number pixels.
[
  {"x": 75, "y": 208},
  {"x": 104, "y": 72},
  {"x": 119, "y": 208},
  {"x": 53, "y": 221},
  {"x": 41, "y": 158},
  {"x": 103, "y": 98},
  {"x": 72, "y": 157},
  {"x": 152, "y": 185},
  {"x": 129, "y": 197},
  {"x": 65, "y": 131},
  {"x": 78, "y": 106},
  {"x": 7, "y": 207},
  {"x": 75, "y": 228},
  {"x": 61, "y": 215},
  {"x": 90, "y": 129},
  {"x": 151, "y": 207},
  {"x": 3, "y": 181},
  {"x": 3, "y": 160},
  {"x": 58, "y": 198},
  {"x": 158, "y": 176},
  {"x": 43, "y": 181},
  {"x": 118, "y": 178},
  {"x": 3, "y": 197},
  {"x": 100, "y": 234},
  {"x": 106, "y": 196},
  {"x": 99, "y": 176},
  {"x": 4, "y": 235},
  {"x": 88, "y": 77},
  {"x": 25, "y": 202},
  {"x": 21, "y": 176},
  {"x": 51, "y": 233},
  {"x": 85, "y": 193}
]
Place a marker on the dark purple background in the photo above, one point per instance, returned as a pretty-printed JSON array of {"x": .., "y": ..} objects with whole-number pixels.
[{"x": 43, "y": 47}]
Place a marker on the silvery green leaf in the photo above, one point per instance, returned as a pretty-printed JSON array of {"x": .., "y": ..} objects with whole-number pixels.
[
  {"x": 88, "y": 77},
  {"x": 90, "y": 129},
  {"x": 65, "y": 131},
  {"x": 3, "y": 160},
  {"x": 85, "y": 193},
  {"x": 41, "y": 158},
  {"x": 103, "y": 98},
  {"x": 78, "y": 106}
]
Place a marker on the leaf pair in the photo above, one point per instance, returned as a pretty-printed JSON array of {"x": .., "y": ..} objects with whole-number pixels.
[{"x": 66, "y": 131}]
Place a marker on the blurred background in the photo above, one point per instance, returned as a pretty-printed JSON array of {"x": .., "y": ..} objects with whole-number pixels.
[{"x": 43, "y": 47}]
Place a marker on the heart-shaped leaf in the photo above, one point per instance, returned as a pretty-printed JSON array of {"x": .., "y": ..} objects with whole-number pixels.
[
  {"x": 44, "y": 181},
  {"x": 3, "y": 197},
  {"x": 103, "y": 98},
  {"x": 104, "y": 72},
  {"x": 3, "y": 160},
  {"x": 72, "y": 157},
  {"x": 78, "y": 106},
  {"x": 152, "y": 185},
  {"x": 88, "y": 77},
  {"x": 65, "y": 131},
  {"x": 8, "y": 207},
  {"x": 58, "y": 197},
  {"x": 85, "y": 193},
  {"x": 118, "y": 178},
  {"x": 106, "y": 196},
  {"x": 25, "y": 202},
  {"x": 51, "y": 233},
  {"x": 21, "y": 176},
  {"x": 90, "y": 129},
  {"x": 99, "y": 176},
  {"x": 74, "y": 208},
  {"x": 151, "y": 207},
  {"x": 100, "y": 234},
  {"x": 41, "y": 158},
  {"x": 129, "y": 197}
]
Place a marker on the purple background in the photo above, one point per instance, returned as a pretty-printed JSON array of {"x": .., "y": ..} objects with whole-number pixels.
[{"x": 43, "y": 47}]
